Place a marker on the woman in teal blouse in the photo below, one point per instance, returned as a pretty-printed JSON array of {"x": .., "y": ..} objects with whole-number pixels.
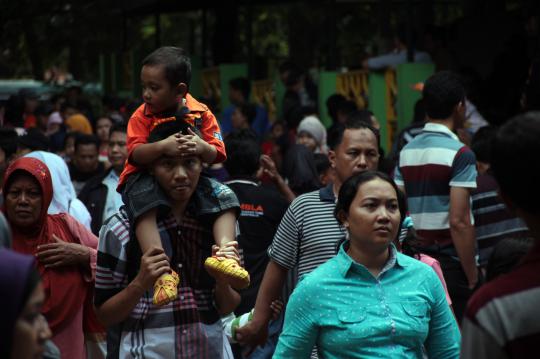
[{"x": 369, "y": 301}]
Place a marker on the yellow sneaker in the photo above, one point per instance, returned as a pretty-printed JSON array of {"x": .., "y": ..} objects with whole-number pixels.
[
  {"x": 228, "y": 270},
  {"x": 166, "y": 288}
]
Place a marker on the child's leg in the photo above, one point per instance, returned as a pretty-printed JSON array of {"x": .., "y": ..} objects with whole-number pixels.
[
  {"x": 225, "y": 265},
  {"x": 147, "y": 232}
]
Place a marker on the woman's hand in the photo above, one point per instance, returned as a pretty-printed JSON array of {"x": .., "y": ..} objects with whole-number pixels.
[
  {"x": 268, "y": 167},
  {"x": 62, "y": 253}
]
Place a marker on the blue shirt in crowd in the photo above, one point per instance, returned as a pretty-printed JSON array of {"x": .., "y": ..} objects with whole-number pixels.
[
  {"x": 348, "y": 313},
  {"x": 260, "y": 124}
]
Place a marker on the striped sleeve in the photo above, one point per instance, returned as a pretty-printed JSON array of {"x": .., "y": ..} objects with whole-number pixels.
[
  {"x": 284, "y": 247},
  {"x": 478, "y": 343},
  {"x": 464, "y": 169},
  {"x": 111, "y": 275},
  {"x": 398, "y": 177}
]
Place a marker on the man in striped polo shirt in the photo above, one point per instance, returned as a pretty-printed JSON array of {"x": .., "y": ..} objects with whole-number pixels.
[
  {"x": 309, "y": 233},
  {"x": 437, "y": 172},
  {"x": 502, "y": 318}
]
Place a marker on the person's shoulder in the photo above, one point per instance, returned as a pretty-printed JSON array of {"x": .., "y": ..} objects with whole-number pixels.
[
  {"x": 325, "y": 272},
  {"x": 413, "y": 264},
  {"x": 138, "y": 113},
  {"x": 117, "y": 226},
  {"x": 506, "y": 292}
]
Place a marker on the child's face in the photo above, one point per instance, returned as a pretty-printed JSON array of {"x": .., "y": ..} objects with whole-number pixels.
[
  {"x": 157, "y": 92},
  {"x": 238, "y": 119}
]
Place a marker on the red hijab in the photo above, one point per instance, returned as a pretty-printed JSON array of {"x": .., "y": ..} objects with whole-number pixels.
[{"x": 65, "y": 288}]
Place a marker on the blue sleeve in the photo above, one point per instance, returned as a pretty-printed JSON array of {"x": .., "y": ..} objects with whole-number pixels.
[
  {"x": 225, "y": 122},
  {"x": 444, "y": 338},
  {"x": 464, "y": 169},
  {"x": 387, "y": 60},
  {"x": 300, "y": 330}
]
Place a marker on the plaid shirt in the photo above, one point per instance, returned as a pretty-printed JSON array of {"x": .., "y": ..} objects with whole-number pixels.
[{"x": 187, "y": 327}]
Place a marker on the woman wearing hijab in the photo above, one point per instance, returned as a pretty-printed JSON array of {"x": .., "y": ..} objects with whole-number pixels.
[
  {"x": 65, "y": 250},
  {"x": 64, "y": 198},
  {"x": 79, "y": 123},
  {"x": 23, "y": 329},
  {"x": 312, "y": 134}
]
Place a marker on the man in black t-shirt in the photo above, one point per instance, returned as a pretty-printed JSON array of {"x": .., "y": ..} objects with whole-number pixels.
[{"x": 261, "y": 210}]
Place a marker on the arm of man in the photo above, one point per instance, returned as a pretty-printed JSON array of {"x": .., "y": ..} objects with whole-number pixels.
[
  {"x": 462, "y": 232},
  {"x": 256, "y": 331},
  {"x": 117, "y": 308}
]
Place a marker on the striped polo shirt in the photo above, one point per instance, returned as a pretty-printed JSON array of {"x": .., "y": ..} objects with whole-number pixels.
[
  {"x": 502, "y": 318},
  {"x": 308, "y": 234},
  {"x": 429, "y": 165}
]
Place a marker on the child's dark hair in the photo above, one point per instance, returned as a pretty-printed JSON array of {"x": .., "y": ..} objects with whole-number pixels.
[
  {"x": 243, "y": 153},
  {"x": 407, "y": 235},
  {"x": 506, "y": 255},
  {"x": 175, "y": 62},
  {"x": 442, "y": 92}
]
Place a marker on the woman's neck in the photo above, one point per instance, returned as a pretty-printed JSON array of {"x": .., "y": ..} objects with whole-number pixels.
[{"x": 373, "y": 258}]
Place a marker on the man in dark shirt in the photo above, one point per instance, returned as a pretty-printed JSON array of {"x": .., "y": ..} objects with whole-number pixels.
[
  {"x": 261, "y": 209},
  {"x": 85, "y": 162}
]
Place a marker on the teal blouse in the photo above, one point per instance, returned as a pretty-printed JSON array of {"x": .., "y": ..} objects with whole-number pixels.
[{"x": 348, "y": 313}]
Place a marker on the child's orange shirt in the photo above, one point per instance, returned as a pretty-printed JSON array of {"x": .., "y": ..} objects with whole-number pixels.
[{"x": 142, "y": 122}]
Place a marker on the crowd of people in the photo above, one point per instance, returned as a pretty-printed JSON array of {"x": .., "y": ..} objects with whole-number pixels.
[{"x": 161, "y": 231}]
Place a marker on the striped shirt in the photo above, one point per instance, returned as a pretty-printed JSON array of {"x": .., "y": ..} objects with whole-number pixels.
[
  {"x": 429, "y": 165},
  {"x": 308, "y": 234},
  {"x": 502, "y": 318},
  {"x": 492, "y": 220},
  {"x": 187, "y": 327}
]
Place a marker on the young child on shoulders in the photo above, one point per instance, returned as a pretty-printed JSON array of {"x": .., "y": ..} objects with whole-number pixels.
[{"x": 165, "y": 77}]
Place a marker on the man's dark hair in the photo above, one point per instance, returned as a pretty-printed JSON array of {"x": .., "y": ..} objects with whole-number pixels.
[
  {"x": 84, "y": 139},
  {"x": 243, "y": 153},
  {"x": 506, "y": 255},
  {"x": 481, "y": 143},
  {"x": 118, "y": 128},
  {"x": 335, "y": 137},
  {"x": 166, "y": 129},
  {"x": 332, "y": 105},
  {"x": 249, "y": 111},
  {"x": 174, "y": 60},
  {"x": 241, "y": 84},
  {"x": 514, "y": 160},
  {"x": 442, "y": 92}
]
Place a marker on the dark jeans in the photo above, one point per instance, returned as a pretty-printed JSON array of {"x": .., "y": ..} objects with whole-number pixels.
[{"x": 458, "y": 285}]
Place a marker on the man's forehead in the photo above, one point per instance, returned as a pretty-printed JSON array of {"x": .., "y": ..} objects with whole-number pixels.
[{"x": 363, "y": 137}]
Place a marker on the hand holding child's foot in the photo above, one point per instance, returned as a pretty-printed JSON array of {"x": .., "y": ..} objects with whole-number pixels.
[{"x": 224, "y": 266}]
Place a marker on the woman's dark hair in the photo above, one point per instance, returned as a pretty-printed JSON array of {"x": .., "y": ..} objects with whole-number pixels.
[
  {"x": 407, "y": 235},
  {"x": 175, "y": 62},
  {"x": 299, "y": 169},
  {"x": 249, "y": 111},
  {"x": 506, "y": 255},
  {"x": 481, "y": 143},
  {"x": 322, "y": 163},
  {"x": 350, "y": 187}
]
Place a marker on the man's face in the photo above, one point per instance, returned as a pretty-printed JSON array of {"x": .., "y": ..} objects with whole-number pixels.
[
  {"x": 157, "y": 92},
  {"x": 357, "y": 152},
  {"x": 178, "y": 177},
  {"x": 103, "y": 126},
  {"x": 117, "y": 150},
  {"x": 85, "y": 158}
]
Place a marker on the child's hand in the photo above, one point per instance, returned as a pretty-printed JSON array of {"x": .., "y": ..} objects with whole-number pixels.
[
  {"x": 170, "y": 146},
  {"x": 229, "y": 250},
  {"x": 277, "y": 308},
  {"x": 268, "y": 167},
  {"x": 191, "y": 144}
]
